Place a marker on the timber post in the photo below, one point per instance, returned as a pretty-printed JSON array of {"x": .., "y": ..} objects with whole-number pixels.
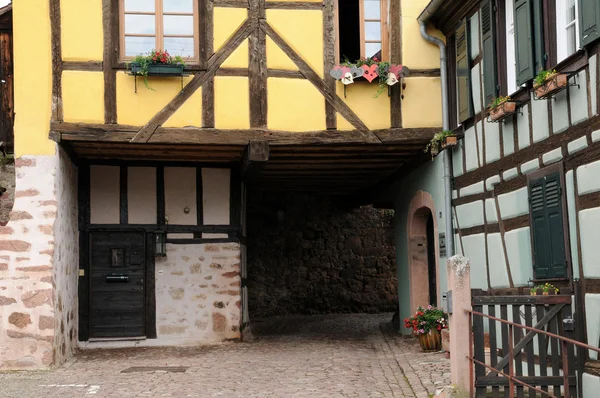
[{"x": 459, "y": 283}]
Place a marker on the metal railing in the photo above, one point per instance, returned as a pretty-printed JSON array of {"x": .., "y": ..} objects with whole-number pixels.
[{"x": 511, "y": 376}]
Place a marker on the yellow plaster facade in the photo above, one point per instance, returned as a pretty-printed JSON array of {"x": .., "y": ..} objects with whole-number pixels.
[
  {"x": 293, "y": 104},
  {"x": 81, "y": 24},
  {"x": 33, "y": 78}
]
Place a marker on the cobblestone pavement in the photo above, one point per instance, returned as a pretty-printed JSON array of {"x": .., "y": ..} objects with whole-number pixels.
[{"x": 298, "y": 356}]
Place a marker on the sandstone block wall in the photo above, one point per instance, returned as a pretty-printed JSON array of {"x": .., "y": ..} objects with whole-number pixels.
[
  {"x": 314, "y": 254},
  {"x": 198, "y": 293},
  {"x": 38, "y": 261}
]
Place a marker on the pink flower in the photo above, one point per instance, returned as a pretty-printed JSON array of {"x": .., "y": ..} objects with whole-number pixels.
[{"x": 429, "y": 307}]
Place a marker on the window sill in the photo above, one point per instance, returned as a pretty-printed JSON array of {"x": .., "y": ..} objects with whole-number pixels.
[{"x": 192, "y": 67}]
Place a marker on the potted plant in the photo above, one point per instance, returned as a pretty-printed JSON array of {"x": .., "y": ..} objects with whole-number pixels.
[
  {"x": 502, "y": 107},
  {"x": 546, "y": 289},
  {"x": 443, "y": 139},
  {"x": 427, "y": 324},
  {"x": 547, "y": 82},
  {"x": 156, "y": 63}
]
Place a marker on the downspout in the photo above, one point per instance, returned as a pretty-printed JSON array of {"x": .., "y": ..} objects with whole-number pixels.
[{"x": 447, "y": 154}]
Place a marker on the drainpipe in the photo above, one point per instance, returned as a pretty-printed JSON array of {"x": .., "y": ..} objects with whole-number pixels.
[{"x": 447, "y": 154}]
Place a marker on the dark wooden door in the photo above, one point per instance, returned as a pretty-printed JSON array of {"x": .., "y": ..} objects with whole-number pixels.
[
  {"x": 117, "y": 266},
  {"x": 6, "y": 90}
]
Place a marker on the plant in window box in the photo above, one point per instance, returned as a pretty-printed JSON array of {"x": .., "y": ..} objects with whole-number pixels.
[
  {"x": 369, "y": 69},
  {"x": 502, "y": 107},
  {"x": 156, "y": 63},
  {"x": 546, "y": 289},
  {"x": 547, "y": 82},
  {"x": 441, "y": 140}
]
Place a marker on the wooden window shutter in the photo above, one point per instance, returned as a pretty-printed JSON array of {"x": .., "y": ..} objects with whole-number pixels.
[
  {"x": 589, "y": 20},
  {"x": 463, "y": 86},
  {"x": 524, "y": 41},
  {"x": 539, "y": 50},
  {"x": 489, "y": 51},
  {"x": 547, "y": 227}
]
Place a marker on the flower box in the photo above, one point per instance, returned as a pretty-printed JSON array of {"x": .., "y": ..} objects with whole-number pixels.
[
  {"x": 503, "y": 110},
  {"x": 450, "y": 140},
  {"x": 158, "y": 69},
  {"x": 551, "y": 85}
]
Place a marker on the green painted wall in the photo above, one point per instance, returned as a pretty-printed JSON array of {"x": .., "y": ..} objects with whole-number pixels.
[{"x": 429, "y": 178}]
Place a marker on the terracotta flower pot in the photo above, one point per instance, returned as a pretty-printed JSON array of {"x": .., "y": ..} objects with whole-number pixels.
[
  {"x": 450, "y": 140},
  {"x": 503, "y": 110},
  {"x": 552, "y": 84},
  {"x": 431, "y": 341}
]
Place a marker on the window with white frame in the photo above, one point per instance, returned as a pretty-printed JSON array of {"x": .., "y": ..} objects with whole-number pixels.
[
  {"x": 511, "y": 64},
  {"x": 567, "y": 28}
]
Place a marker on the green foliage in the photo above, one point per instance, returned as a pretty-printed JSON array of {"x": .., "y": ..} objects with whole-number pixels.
[
  {"x": 437, "y": 139},
  {"x": 545, "y": 288},
  {"x": 542, "y": 76},
  {"x": 6, "y": 159},
  {"x": 154, "y": 57},
  {"x": 383, "y": 71},
  {"x": 428, "y": 319},
  {"x": 499, "y": 101}
]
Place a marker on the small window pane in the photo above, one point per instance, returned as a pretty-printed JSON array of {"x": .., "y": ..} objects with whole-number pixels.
[
  {"x": 373, "y": 9},
  {"x": 139, "y": 24},
  {"x": 139, "y": 5},
  {"x": 571, "y": 14},
  {"x": 373, "y": 30},
  {"x": 474, "y": 35},
  {"x": 178, "y": 25},
  {"x": 138, "y": 45},
  {"x": 178, "y": 6},
  {"x": 372, "y": 50},
  {"x": 182, "y": 46}
]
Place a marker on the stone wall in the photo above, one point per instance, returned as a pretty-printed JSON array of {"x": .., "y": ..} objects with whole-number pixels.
[
  {"x": 37, "y": 262},
  {"x": 7, "y": 191},
  {"x": 315, "y": 254},
  {"x": 198, "y": 294}
]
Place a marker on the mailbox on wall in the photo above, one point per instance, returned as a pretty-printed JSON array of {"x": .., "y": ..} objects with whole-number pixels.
[{"x": 447, "y": 302}]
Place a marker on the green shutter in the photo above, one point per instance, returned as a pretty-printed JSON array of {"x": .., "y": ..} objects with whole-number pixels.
[
  {"x": 589, "y": 15},
  {"x": 489, "y": 52},
  {"x": 539, "y": 51},
  {"x": 463, "y": 86},
  {"x": 523, "y": 41},
  {"x": 549, "y": 254}
]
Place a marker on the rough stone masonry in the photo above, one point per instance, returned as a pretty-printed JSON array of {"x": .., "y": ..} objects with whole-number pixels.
[{"x": 316, "y": 254}]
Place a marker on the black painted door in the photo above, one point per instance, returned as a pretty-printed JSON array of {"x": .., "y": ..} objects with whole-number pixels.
[{"x": 117, "y": 284}]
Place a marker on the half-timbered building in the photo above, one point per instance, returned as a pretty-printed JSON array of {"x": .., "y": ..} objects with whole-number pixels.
[
  {"x": 129, "y": 218},
  {"x": 525, "y": 185}
]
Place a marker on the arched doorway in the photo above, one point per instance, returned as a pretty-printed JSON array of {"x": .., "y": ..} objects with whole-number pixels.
[{"x": 423, "y": 253}]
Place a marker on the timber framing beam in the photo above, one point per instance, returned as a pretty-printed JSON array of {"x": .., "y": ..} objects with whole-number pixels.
[
  {"x": 255, "y": 157},
  {"x": 320, "y": 84},
  {"x": 57, "y": 63},
  {"x": 197, "y": 81},
  {"x": 65, "y": 132}
]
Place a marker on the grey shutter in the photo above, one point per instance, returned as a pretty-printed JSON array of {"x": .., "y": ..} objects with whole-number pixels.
[
  {"x": 547, "y": 229},
  {"x": 524, "y": 41},
  {"x": 589, "y": 15},
  {"x": 489, "y": 52},
  {"x": 463, "y": 86}
]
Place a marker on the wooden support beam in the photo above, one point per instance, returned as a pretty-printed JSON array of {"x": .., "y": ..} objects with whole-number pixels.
[
  {"x": 57, "y": 63},
  {"x": 396, "y": 58},
  {"x": 110, "y": 25},
  {"x": 255, "y": 157},
  {"x": 329, "y": 94},
  {"x": 329, "y": 33},
  {"x": 197, "y": 81},
  {"x": 257, "y": 69},
  {"x": 82, "y": 132}
]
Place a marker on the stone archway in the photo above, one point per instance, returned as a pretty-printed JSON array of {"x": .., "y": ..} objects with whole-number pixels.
[{"x": 420, "y": 210}]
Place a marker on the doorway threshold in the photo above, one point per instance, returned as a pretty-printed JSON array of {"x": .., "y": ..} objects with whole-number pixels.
[{"x": 104, "y": 339}]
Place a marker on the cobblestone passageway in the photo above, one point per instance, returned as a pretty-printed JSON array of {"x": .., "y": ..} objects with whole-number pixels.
[{"x": 295, "y": 356}]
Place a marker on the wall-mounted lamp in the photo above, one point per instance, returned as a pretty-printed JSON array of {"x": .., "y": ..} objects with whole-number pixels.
[{"x": 160, "y": 249}]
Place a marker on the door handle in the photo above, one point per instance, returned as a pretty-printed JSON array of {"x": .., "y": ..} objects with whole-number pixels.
[{"x": 117, "y": 278}]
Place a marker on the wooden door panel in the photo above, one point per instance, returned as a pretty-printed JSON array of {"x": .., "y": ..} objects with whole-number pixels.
[{"x": 117, "y": 296}]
